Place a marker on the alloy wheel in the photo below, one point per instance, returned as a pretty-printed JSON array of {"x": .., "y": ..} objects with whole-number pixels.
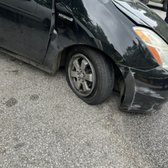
[{"x": 82, "y": 75}]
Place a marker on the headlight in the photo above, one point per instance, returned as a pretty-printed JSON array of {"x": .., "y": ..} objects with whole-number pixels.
[{"x": 156, "y": 45}]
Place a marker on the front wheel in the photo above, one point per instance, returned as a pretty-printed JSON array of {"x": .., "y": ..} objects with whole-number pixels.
[{"x": 89, "y": 75}]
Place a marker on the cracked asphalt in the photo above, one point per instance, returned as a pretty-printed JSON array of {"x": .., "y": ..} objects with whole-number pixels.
[{"x": 44, "y": 125}]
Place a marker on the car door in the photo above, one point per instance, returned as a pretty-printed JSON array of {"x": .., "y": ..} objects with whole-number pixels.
[{"x": 25, "y": 27}]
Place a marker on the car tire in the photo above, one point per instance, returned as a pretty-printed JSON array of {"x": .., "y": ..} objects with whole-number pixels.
[
  {"x": 165, "y": 5},
  {"x": 90, "y": 75}
]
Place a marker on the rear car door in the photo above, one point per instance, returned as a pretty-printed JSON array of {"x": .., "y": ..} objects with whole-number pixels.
[{"x": 25, "y": 27}]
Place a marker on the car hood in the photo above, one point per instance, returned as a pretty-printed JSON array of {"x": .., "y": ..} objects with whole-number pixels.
[{"x": 143, "y": 15}]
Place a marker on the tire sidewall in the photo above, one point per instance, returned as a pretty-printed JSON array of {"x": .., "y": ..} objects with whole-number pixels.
[{"x": 90, "y": 54}]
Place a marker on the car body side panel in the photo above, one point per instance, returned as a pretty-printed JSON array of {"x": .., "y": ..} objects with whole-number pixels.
[
  {"x": 114, "y": 37},
  {"x": 25, "y": 28}
]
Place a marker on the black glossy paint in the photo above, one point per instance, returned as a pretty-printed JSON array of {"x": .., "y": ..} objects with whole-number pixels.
[
  {"x": 41, "y": 32},
  {"x": 25, "y": 27}
]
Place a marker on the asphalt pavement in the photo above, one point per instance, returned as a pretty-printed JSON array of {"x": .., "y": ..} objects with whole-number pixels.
[{"x": 44, "y": 125}]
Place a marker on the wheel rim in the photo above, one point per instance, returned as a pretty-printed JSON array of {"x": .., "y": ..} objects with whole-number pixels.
[{"x": 82, "y": 75}]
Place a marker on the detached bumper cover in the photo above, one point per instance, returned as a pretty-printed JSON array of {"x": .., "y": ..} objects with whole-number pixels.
[{"x": 145, "y": 91}]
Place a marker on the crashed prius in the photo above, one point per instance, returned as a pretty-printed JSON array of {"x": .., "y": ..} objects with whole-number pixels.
[{"x": 103, "y": 45}]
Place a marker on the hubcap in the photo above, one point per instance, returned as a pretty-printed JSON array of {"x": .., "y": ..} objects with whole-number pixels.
[{"x": 82, "y": 75}]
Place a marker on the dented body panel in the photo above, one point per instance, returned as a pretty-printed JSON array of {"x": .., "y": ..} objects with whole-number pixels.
[{"x": 144, "y": 90}]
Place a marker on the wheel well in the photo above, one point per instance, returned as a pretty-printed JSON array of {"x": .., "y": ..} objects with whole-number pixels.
[{"x": 118, "y": 75}]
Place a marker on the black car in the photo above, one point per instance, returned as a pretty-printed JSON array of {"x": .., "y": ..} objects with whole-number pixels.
[{"x": 103, "y": 45}]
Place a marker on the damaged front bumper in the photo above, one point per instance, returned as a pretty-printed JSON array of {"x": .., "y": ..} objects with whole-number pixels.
[{"x": 144, "y": 91}]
